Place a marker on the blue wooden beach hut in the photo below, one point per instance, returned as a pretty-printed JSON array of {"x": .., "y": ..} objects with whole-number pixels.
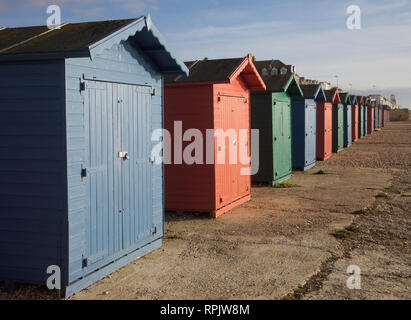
[
  {"x": 79, "y": 188},
  {"x": 304, "y": 126},
  {"x": 346, "y": 101},
  {"x": 365, "y": 124}
]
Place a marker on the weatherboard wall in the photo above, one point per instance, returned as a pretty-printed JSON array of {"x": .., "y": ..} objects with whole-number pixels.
[
  {"x": 271, "y": 115},
  {"x": 123, "y": 64},
  {"x": 347, "y": 125},
  {"x": 303, "y": 128},
  {"x": 354, "y": 124},
  {"x": 32, "y": 170},
  {"x": 338, "y": 127},
  {"x": 324, "y": 130}
]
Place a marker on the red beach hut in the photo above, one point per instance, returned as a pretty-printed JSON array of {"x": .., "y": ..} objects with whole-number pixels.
[
  {"x": 324, "y": 127},
  {"x": 215, "y": 95},
  {"x": 370, "y": 115},
  {"x": 355, "y": 119}
]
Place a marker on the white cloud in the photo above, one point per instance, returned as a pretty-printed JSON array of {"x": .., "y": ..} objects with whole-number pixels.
[{"x": 378, "y": 55}]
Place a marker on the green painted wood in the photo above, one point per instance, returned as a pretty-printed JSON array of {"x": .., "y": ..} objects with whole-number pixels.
[
  {"x": 338, "y": 127},
  {"x": 271, "y": 115},
  {"x": 361, "y": 122},
  {"x": 282, "y": 137}
]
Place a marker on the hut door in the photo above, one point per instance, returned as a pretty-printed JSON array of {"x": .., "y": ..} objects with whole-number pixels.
[
  {"x": 234, "y": 115},
  {"x": 310, "y": 131},
  {"x": 117, "y": 168},
  {"x": 134, "y": 156},
  {"x": 282, "y": 139}
]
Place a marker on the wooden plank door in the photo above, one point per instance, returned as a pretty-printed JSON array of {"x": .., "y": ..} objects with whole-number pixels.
[
  {"x": 134, "y": 155},
  {"x": 310, "y": 131}
]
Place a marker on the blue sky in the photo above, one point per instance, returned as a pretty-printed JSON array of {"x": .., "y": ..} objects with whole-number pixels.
[{"x": 312, "y": 35}]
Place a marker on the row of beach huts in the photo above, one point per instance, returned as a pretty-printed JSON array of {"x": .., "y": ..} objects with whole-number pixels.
[{"x": 81, "y": 191}]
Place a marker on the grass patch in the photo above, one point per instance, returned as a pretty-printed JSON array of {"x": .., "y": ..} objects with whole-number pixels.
[
  {"x": 285, "y": 185},
  {"x": 372, "y": 188},
  {"x": 349, "y": 232},
  {"x": 382, "y": 195},
  {"x": 391, "y": 190},
  {"x": 361, "y": 212},
  {"x": 315, "y": 282},
  {"x": 320, "y": 172}
]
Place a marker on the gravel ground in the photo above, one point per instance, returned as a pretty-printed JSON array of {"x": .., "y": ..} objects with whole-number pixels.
[{"x": 282, "y": 242}]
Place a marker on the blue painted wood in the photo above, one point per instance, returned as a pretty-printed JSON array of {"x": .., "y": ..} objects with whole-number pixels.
[
  {"x": 116, "y": 264},
  {"x": 347, "y": 125},
  {"x": 304, "y": 126},
  {"x": 32, "y": 169},
  {"x": 142, "y": 200},
  {"x": 49, "y": 131}
]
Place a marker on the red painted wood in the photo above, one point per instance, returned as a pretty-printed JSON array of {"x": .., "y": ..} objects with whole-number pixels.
[
  {"x": 324, "y": 130},
  {"x": 354, "y": 113},
  {"x": 213, "y": 188}
]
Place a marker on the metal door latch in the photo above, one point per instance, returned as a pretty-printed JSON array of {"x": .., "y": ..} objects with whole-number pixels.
[
  {"x": 124, "y": 155},
  {"x": 83, "y": 173}
]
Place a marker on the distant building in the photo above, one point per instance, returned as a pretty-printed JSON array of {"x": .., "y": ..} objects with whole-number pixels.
[
  {"x": 274, "y": 67},
  {"x": 394, "y": 101},
  {"x": 391, "y": 103}
]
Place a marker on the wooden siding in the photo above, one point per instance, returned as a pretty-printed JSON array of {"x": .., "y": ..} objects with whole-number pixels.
[
  {"x": 32, "y": 169},
  {"x": 231, "y": 111},
  {"x": 189, "y": 187},
  {"x": 123, "y": 64},
  {"x": 262, "y": 119}
]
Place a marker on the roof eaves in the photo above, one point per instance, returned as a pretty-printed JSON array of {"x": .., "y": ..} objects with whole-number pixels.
[
  {"x": 290, "y": 80},
  {"x": 243, "y": 64},
  {"x": 117, "y": 36},
  {"x": 130, "y": 30}
]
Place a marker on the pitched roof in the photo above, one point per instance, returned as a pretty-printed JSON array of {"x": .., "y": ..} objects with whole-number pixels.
[
  {"x": 218, "y": 70},
  {"x": 71, "y": 37},
  {"x": 269, "y": 64},
  {"x": 345, "y": 97},
  {"x": 221, "y": 70},
  {"x": 353, "y": 99},
  {"x": 313, "y": 91},
  {"x": 88, "y": 39},
  {"x": 360, "y": 99},
  {"x": 331, "y": 95},
  {"x": 283, "y": 83}
]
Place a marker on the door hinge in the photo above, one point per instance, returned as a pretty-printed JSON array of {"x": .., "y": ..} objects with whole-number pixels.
[
  {"x": 82, "y": 86},
  {"x": 153, "y": 91},
  {"x": 85, "y": 262}
]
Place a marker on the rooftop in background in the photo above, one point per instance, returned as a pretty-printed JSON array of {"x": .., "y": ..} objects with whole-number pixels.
[{"x": 273, "y": 67}]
